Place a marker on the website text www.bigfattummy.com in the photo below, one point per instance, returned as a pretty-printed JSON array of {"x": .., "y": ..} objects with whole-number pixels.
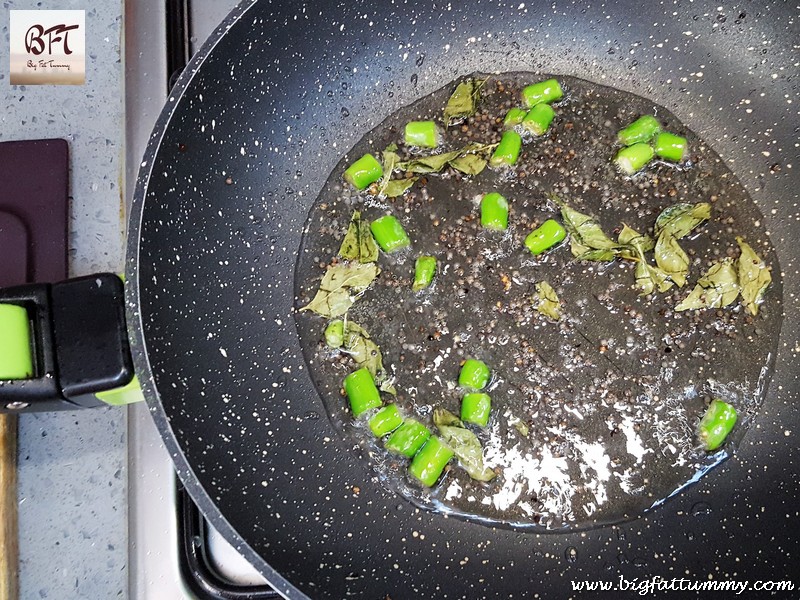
[{"x": 652, "y": 585}]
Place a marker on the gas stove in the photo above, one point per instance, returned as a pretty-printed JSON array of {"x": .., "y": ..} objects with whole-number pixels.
[{"x": 173, "y": 552}]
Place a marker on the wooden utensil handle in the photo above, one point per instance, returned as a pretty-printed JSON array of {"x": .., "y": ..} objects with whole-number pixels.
[{"x": 9, "y": 549}]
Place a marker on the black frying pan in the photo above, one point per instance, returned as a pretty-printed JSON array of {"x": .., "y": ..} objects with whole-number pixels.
[{"x": 215, "y": 230}]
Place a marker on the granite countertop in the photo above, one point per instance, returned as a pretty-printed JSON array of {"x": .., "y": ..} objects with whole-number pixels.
[{"x": 72, "y": 465}]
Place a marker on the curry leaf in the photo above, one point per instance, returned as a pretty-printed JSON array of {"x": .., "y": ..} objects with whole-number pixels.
[
  {"x": 716, "y": 289},
  {"x": 430, "y": 164},
  {"x": 471, "y": 159},
  {"x": 364, "y": 351},
  {"x": 521, "y": 427},
  {"x": 340, "y": 287},
  {"x": 581, "y": 252},
  {"x": 598, "y": 255},
  {"x": 367, "y": 248},
  {"x": 680, "y": 219},
  {"x": 397, "y": 187},
  {"x": 442, "y": 417},
  {"x": 358, "y": 243},
  {"x": 754, "y": 277},
  {"x": 549, "y": 305},
  {"x": 671, "y": 258},
  {"x": 350, "y": 245},
  {"x": 650, "y": 278},
  {"x": 471, "y": 164},
  {"x": 465, "y": 444},
  {"x": 390, "y": 159},
  {"x": 639, "y": 243},
  {"x": 586, "y": 232},
  {"x": 463, "y": 102}
]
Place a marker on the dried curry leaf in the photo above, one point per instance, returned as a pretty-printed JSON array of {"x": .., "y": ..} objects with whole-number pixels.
[
  {"x": 599, "y": 255},
  {"x": 367, "y": 248},
  {"x": 470, "y": 164},
  {"x": 463, "y": 102},
  {"x": 398, "y": 187},
  {"x": 443, "y": 417},
  {"x": 548, "y": 303},
  {"x": 365, "y": 352},
  {"x": 430, "y": 164},
  {"x": 586, "y": 232},
  {"x": 521, "y": 427},
  {"x": 350, "y": 246},
  {"x": 639, "y": 243},
  {"x": 471, "y": 159},
  {"x": 465, "y": 444},
  {"x": 680, "y": 219},
  {"x": 358, "y": 243},
  {"x": 340, "y": 287},
  {"x": 754, "y": 277},
  {"x": 671, "y": 258},
  {"x": 650, "y": 279},
  {"x": 391, "y": 161},
  {"x": 718, "y": 288}
]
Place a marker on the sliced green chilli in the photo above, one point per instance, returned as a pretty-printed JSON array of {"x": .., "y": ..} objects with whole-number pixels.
[
  {"x": 361, "y": 391},
  {"x": 474, "y": 374},
  {"x": 544, "y": 91},
  {"x": 363, "y": 172},
  {"x": 494, "y": 211},
  {"x": 385, "y": 420},
  {"x": 408, "y": 438},
  {"x": 424, "y": 270},
  {"x": 544, "y": 237},
  {"x": 475, "y": 408},
  {"x": 429, "y": 463},
  {"x": 389, "y": 233}
]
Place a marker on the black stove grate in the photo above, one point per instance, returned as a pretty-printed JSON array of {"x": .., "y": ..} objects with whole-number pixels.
[{"x": 197, "y": 569}]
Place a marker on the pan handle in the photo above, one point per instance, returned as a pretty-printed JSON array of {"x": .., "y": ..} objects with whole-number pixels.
[{"x": 76, "y": 341}]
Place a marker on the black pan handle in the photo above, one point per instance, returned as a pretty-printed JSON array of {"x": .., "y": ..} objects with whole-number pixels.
[{"x": 77, "y": 340}]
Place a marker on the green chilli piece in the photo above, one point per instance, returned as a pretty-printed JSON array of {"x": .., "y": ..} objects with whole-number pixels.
[
  {"x": 424, "y": 270},
  {"x": 386, "y": 420},
  {"x": 494, "y": 211},
  {"x": 544, "y": 91},
  {"x": 389, "y": 233},
  {"x": 716, "y": 424},
  {"x": 547, "y": 235},
  {"x": 16, "y": 358},
  {"x": 514, "y": 117},
  {"x": 474, "y": 374},
  {"x": 641, "y": 130},
  {"x": 631, "y": 159},
  {"x": 424, "y": 134},
  {"x": 475, "y": 408},
  {"x": 507, "y": 151},
  {"x": 538, "y": 119},
  {"x": 334, "y": 334},
  {"x": 408, "y": 438},
  {"x": 361, "y": 391},
  {"x": 363, "y": 172},
  {"x": 429, "y": 463},
  {"x": 670, "y": 147}
]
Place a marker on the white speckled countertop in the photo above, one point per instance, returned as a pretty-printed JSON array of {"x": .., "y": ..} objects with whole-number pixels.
[{"x": 72, "y": 466}]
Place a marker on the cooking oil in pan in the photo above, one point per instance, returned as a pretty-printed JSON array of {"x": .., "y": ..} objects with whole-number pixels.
[{"x": 594, "y": 416}]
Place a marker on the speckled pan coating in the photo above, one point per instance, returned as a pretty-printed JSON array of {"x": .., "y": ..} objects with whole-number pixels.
[{"x": 238, "y": 156}]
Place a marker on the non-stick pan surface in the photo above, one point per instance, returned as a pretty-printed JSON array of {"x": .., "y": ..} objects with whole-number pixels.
[{"x": 250, "y": 133}]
